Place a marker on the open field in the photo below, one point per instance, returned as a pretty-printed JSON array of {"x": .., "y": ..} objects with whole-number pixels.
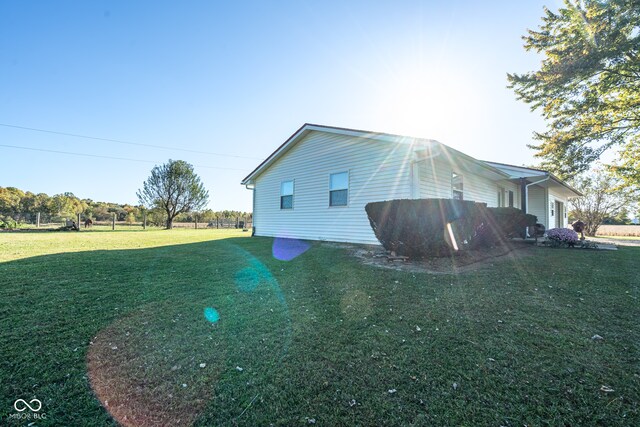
[
  {"x": 208, "y": 327},
  {"x": 619, "y": 230}
]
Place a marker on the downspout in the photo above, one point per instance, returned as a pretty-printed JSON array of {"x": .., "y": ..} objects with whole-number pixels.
[
  {"x": 253, "y": 208},
  {"x": 526, "y": 195},
  {"x": 414, "y": 185}
]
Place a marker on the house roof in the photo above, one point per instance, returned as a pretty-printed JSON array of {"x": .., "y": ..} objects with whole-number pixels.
[
  {"x": 379, "y": 136},
  {"x": 518, "y": 172}
]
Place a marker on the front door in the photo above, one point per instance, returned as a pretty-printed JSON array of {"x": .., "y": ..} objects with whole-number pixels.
[{"x": 559, "y": 214}]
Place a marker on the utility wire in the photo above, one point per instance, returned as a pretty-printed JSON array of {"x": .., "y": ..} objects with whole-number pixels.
[
  {"x": 108, "y": 157},
  {"x": 127, "y": 142}
]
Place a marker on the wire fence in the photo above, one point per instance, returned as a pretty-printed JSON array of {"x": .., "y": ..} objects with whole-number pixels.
[{"x": 43, "y": 221}]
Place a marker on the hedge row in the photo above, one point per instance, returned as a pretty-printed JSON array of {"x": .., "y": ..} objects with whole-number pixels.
[{"x": 424, "y": 227}]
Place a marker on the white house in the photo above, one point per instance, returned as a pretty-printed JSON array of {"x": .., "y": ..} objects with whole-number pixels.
[{"x": 316, "y": 184}]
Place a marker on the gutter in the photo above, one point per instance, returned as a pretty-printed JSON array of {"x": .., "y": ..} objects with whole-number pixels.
[
  {"x": 526, "y": 191},
  {"x": 414, "y": 170}
]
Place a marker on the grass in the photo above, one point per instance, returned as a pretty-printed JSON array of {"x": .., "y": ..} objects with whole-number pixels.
[{"x": 111, "y": 325}]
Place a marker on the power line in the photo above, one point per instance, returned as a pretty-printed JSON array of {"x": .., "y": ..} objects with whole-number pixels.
[
  {"x": 118, "y": 141},
  {"x": 108, "y": 157}
]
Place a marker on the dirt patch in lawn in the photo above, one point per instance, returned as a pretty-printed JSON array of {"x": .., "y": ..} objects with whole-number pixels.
[
  {"x": 462, "y": 262},
  {"x": 148, "y": 370}
]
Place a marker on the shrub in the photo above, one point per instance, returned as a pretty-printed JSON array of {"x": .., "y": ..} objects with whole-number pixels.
[
  {"x": 8, "y": 223},
  {"x": 418, "y": 227},
  {"x": 562, "y": 237},
  {"x": 497, "y": 225},
  {"x": 512, "y": 222}
]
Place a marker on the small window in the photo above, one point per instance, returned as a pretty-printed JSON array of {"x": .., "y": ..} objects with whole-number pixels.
[
  {"x": 286, "y": 195},
  {"x": 456, "y": 186},
  {"x": 553, "y": 212},
  {"x": 501, "y": 202},
  {"x": 339, "y": 189},
  {"x": 510, "y": 198}
]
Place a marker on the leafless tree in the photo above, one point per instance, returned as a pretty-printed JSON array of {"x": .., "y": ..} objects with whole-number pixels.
[{"x": 602, "y": 197}]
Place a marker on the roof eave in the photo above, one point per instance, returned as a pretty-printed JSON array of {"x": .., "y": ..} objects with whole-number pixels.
[
  {"x": 542, "y": 173},
  {"x": 565, "y": 185},
  {"x": 273, "y": 156}
]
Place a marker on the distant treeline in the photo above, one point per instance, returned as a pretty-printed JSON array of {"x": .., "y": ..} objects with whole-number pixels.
[{"x": 22, "y": 207}]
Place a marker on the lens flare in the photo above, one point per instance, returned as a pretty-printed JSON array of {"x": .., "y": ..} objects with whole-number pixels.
[
  {"x": 247, "y": 279},
  {"x": 288, "y": 249},
  {"x": 211, "y": 314}
]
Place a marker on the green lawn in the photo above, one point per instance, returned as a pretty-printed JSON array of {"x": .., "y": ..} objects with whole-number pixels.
[{"x": 128, "y": 318}]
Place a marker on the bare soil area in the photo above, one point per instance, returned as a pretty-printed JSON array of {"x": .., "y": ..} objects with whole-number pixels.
[{"x": 461, "y": 262}]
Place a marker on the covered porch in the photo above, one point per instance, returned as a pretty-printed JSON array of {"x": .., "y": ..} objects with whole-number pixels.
[{"x": 542, "y": 194}]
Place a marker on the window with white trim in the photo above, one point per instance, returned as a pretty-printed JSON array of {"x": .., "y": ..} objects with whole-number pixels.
[
  {"x": 457, "y": 188},
  {"x": 511, "y": 199},
  {"x": 286, "y": 195},
  {"x": 339, "y": 189}
]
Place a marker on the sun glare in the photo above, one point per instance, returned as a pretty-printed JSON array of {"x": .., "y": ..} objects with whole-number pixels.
[{"x": 428, "y": 104}]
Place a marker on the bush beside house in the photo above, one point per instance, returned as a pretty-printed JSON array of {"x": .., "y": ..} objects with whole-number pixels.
[{"x": 420, "y": 228}]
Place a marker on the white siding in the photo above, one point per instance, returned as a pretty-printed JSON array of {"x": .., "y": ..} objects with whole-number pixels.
[
  {"x": 480, "y": 189},
  {"x": 377, "y": 171},
  {"x": 507, "y": 186},
  {"x": 435, "y": 182},
  {"x": 435, "y": 179},
  {"x": 538, "y": 205}
]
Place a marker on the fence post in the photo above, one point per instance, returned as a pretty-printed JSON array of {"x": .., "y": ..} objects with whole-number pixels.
[
  {"x": 144, "y": 220},
  {"x": 196, "y": 218},
  {"x": 113, "y": 222},
  {"x": 78, "y": 222},
  {"x": 216, "y": 221},
  {"x": 38, "y": 220}
]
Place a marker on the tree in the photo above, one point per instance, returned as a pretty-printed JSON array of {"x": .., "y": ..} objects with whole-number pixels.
[
  {"x": 66, "y": 205},
  {"x": 601, "y": 199},
  {"x": 10, "y": 200},
  {"x": 588, "y": 86},
  {"x": 621, "y": 218},
  {"x": 175, "y": 188}
]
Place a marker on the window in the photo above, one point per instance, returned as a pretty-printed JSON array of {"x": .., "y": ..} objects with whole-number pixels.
[
  {"x": 286, "y": 195},
  {"x": 552, "y": 210},
  {"x": 505, "y": 198},
  {"x": 338, "y": 189},
  {"x": 501, "y": 202},
  {"x": 456, "y": 186}
]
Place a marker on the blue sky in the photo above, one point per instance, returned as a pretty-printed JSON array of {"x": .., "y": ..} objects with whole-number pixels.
[{"x": 237, "y": 78}]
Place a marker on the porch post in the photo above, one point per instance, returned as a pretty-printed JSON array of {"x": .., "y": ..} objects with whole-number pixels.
[{"x": 524, "y": 195}]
